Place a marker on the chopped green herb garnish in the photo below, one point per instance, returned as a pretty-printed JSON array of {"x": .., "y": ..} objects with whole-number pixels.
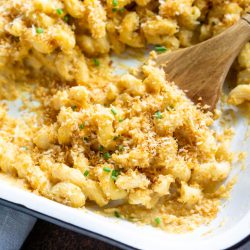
[
  {"x": 160, "y": 49},
  {"x": 59, "y": 12},
  {"x": 86, "y": 173},
  {"x": 100, "y": 148},
  {"x": 96, "y": 62},
  {"x": 157, "y": 220},
  {"x": 24, "y": 148},
  {"x": 106, "y": 169},
  {"x": 158, "y": 115},
  {"x": 117, "y": 215},
  {"x": 120, "y": 148},
  {"x": 120, "y": 120},
  {"x": 115, "y": 174},
  {"x": 39, "y": 30},
  {"x": 74, "y": 107},
  {"x": 86, "y": 139},
  {"x": 81, "y": 126},
  {"x": 113, "y": 111},
  {"x": 115, "y": 3},
  {"x": 122, "y": 10},
  {"x": 66, "y": 18},
  {"x": 106, "y": 155}
]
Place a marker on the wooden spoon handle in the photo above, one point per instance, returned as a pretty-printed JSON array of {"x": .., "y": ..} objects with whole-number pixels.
[
  {"x": 239, "y": 33},
  {"x": 202, "y": 69}
]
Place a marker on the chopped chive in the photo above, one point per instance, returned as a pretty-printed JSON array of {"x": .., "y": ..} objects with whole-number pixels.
[
  {"x": 115, "y": 174},
  {"x": 122, "y": 9},
  {"x": 117, "y": 215},
  {"x": 120, "y": 148},
  {"x": 157, "y": 220},
  {"x": 86, "y": 173},
  {"x": 113, "y": 111},
  {"x": 81, "y": 126},
  {"x": 160, "y": 49},
  {"x": 100, "y": 148},
  {"x": 59, "y": 12},
  {"x": 120, "y": 120},
  {"x": 96, "y": 62},
  {"x": 74, "y": 107},
  {"x": 158, "y": 115},
  {"x": 106, "y": 169},
  {"x": 24, "y": 148},
  {"x": 86, "y": 139},
  {"x": 39, "y": 30},
  {"x": 106, "y": 155},
  {"x": 115, "y": 3},
  {"x": 66, "y": 18}
]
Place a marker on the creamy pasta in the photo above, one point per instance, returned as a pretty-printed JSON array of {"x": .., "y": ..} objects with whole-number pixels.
[{"x": 98, "y": 137}]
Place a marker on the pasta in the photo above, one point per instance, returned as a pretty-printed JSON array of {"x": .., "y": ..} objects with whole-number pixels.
[
  {"x": 132, "y": 149},
  {"x": 240, "y": 93},
  {"x": 96, "y": 138}
]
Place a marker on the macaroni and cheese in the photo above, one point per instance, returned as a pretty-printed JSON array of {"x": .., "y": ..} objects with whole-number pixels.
[{"x": 99, "y": 138}]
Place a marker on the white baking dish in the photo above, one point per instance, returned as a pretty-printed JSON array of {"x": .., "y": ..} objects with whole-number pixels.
[{"x": 231, "y": 226}]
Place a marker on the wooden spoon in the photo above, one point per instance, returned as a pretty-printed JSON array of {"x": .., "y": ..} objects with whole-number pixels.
[{"x": 201, "y": 69}]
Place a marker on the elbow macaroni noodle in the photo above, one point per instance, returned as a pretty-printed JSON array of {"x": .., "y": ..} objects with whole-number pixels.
[
  {"x": 134, "y": 139},
  {"x": 134, "y": 149}
]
